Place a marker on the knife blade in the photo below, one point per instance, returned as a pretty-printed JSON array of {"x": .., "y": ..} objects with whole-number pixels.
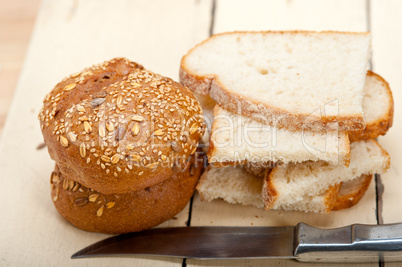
[{"x": 353, "y": 243}]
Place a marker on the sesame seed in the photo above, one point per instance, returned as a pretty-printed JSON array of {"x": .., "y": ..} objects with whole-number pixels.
[
  {"x": 135, "y": 157},
  {"x": 110, "y": 205},
  {"x": 102, "y": 131},
  {"x": 80, "y": 108},
  {"x": 159, "y": 132},
  {"x": 83, "y": 151},
  {"x": 99, "y": 212},
  {"x": 130, "y": 146},
  {"x": 135, "y": 84},
  {"x": 152, "y": 165},
  {"x": 72, "y": 137},
  {"x": 137, "y": 118},
  {"x": 110, "y": 127},
  {"x": 193, "y": 128},
  {"x": 69, "y": 87},
  {"x": 87, "y": 127},
  {"x": 105, "y": 158},
  {"x": 76, "y": 186},
  {"x": 63, "y": 141},
  {"x": 115, "y": 158},
  {"x": 136, "y": 129},
  {"x": 119, "y": 100},
  {"x": 93, "y": 197}
]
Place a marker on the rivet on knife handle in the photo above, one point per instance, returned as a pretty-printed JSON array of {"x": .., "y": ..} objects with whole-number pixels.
[{"x": 359, "y": 243}]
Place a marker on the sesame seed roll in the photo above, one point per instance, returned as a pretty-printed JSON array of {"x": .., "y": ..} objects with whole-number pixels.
[{"x": 117, "y": 127}]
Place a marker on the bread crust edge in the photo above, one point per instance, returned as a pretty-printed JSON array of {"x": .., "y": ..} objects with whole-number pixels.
[
  {"x": 381, "y": 126},
  {"x": 349, "y": 200},
  {"x": 210, "y": 85}
]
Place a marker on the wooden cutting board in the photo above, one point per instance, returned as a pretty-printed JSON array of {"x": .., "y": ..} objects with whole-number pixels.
[{"x": 70, "y": 35}]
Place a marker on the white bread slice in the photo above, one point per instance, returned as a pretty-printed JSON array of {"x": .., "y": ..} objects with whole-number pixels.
[
  {"x": 378, "y": 108},
  {"x": 236, "y": 186},
  {"x": 285, "y": 186},
  {"x": 378, "y": 112},
  {"x": 293, "y": 79},
  {"x": 237, "y": 139},
  {"x": 232, "y": 184}
]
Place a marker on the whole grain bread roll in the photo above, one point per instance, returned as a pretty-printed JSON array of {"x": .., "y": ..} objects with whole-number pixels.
[
  {"x": 94, "y": 211},
  {"x": 117, "y": 127}
]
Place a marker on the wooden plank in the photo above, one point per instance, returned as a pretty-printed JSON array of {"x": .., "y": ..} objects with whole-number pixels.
[
  {"x": 68, "y": 36},
  {"x": 16, "y": 22},
  {"x": 280, "y": 15},
  {"x": 387, "y": 61},
  {"x": 386, "y": 28},
  {"x": 290, "y": 15}
]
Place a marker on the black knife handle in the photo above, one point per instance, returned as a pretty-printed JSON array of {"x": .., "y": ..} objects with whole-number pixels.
[{"x": 355, "y": 242}]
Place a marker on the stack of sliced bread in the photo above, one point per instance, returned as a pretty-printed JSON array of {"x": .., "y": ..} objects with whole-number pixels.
[{"x": 292, "y": 116}]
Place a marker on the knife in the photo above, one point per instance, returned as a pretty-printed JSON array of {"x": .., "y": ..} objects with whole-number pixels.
[{"x": 353, "y": 243}]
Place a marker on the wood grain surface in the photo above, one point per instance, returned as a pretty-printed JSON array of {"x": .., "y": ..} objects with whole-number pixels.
[
  {"x": 17, "y": 19},
  {"x": 70, "y": 34}
]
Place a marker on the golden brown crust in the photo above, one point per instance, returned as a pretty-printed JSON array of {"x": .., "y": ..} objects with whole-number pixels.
[
  {"x": 269, "y": 192},
  {"x": 346, "y": 161},
  {"x": 255, "y": 168},
  {"x": 330, "y": 197},
  {"x": 269, "y": 115},
  {"x": 251, "y": 167},
  {"x": 198, "y": 84},
  {"x": 349, "y": 195},
  {"x": 93, "y": 211},
  {"x": 379, "y": 127},
  {"x": 117, "y": 127},
  {"x": 210, "y": 85},
  {"x": 337, "y": 197}
]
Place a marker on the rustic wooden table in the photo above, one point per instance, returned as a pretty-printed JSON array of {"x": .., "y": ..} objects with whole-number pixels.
[{"x": 71, "y": 34}]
